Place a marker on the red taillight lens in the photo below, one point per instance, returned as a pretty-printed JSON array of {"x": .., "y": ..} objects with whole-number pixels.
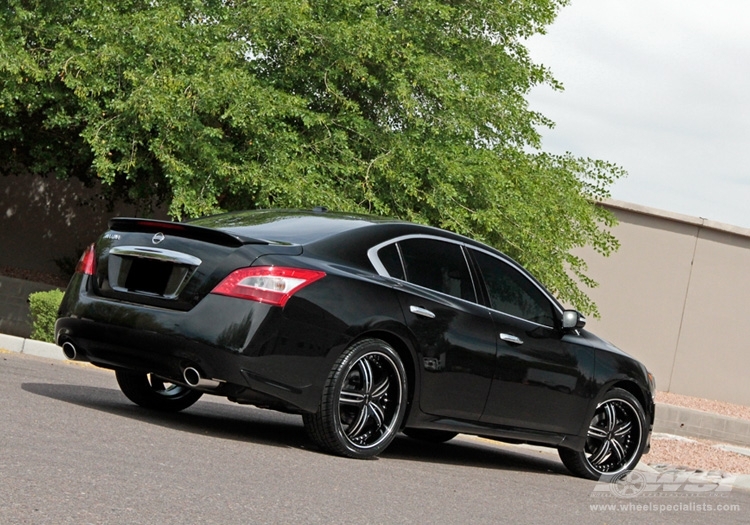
[
  {"x": 267, "y": 284},
  {"x": 87, "y": 263}
]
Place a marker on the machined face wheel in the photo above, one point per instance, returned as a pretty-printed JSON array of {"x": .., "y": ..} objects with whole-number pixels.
[
  {"x": 363, "y": 402},
  {"x": 369, "y": 400},
  {"x": 614, "y": 436},
  {"x": 615, "y": 439}
]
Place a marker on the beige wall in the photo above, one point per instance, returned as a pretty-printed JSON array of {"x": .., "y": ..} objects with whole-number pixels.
[{"x": 675, "y": 296}]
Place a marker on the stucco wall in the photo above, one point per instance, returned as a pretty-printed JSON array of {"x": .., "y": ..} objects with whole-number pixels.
[
  {"x": 45, "y": 224},
  {"x": 674, "y": 296},
  {"x": 14, "y": 305},
  {"x": 43, "y": 220}
]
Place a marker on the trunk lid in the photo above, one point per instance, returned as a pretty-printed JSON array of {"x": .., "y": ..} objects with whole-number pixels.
[{"x": 171, "y": 265}]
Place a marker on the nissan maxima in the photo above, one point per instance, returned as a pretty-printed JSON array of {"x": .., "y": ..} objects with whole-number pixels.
[{"x": 363, "y": 325}]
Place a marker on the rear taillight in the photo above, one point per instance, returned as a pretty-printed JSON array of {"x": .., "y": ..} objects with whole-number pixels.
[
  {"x": 267, "y": 284},
  {"x": 87, "y": 263}
]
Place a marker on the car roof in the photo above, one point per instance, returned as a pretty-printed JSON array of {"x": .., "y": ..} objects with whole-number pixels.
[
  {"x": 332, "y": 229},
  {"x": 290, "y": 226}
]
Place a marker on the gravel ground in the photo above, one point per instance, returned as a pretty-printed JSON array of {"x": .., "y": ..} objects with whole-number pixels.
[
  {"x": 707, "y": 405},
  {"x": 695, "y": 453}
]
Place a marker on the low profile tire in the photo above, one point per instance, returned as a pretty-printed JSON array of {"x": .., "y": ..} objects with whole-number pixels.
[
  {"x": 615, "y": 439},
  {"x": 150, "y": 391},
  {"x": 363, "y": 401},
  {"x": 429, "y": 435}
]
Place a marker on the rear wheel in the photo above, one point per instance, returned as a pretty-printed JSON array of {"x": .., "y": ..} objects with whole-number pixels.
[
  {"x": 363, "y": 402},
  {"x": 150, "y": 391},
  {"x": 430, "y": 435},
  {"x": 615, "y": 439}
]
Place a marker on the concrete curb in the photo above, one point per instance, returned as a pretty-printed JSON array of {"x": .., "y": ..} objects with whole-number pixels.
[
  {"x": 687, "y": 422},
  {"x": 30, "y": 347}
]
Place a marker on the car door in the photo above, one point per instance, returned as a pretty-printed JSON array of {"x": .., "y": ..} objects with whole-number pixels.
[
  {"x": 540, "y": 381},
  {"x": 455, "y": 336}
]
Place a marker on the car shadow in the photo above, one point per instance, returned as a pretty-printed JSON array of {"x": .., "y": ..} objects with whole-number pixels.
[
  {"x": 476, "y": 452},
  {"x": 219, "y": 419}
]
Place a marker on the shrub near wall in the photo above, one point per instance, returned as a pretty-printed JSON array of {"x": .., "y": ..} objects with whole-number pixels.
[{"x": 43, "y": 307}]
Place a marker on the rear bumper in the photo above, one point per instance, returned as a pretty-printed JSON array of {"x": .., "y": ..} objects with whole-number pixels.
[
  {"x": 260, "y": 355},
  {"x": 242, "y": 377}
]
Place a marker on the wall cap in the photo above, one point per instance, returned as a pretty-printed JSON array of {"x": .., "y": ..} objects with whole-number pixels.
[{"x": 700, "y": 222}]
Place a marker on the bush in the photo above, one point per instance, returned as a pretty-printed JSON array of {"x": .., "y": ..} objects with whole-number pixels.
[{"x": 43, "y": 307}]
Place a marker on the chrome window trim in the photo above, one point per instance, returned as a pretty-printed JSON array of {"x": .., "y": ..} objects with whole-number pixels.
[
  {"x": 372, "y": 255},
  {"x": 555, "y": 305}
]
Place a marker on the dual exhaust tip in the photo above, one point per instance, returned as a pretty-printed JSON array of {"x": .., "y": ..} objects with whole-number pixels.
[
  {"x": 190, "y": 374},
  {"x": 193, "y": 378},
  {"x": 70, "y": 351}
]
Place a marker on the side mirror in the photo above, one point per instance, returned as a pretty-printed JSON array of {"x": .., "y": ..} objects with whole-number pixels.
[{"x": 572, "y": 319}]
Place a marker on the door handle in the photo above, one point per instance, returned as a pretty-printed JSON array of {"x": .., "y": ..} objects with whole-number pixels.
[
  {"x": 424, "y": 312},
  {"x": 510, "y": 338}
]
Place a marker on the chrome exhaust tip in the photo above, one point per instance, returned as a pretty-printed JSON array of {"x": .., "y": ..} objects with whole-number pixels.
[
  {"x": 69, "y": 350},
  {"x": 193, "y": 378}
]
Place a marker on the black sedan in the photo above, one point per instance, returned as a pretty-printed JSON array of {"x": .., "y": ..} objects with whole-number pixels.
[{"x": 363, "y": 325}]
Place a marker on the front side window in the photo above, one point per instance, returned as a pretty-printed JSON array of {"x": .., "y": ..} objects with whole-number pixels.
[
  {"x": 437, "y": 265},
  {"x": 513, "y": 293}
]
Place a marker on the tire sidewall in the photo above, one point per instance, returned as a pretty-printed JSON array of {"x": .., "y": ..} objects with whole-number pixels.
[
  {"x": 351, "y": 357},
  {"x": 623, "y": 395}
]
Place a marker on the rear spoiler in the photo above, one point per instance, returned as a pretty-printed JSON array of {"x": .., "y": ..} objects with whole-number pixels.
[{"x": 181, "y": 229}]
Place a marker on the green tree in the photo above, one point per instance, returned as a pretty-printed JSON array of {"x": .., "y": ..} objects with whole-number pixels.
[{"x": 409, "y": 108}]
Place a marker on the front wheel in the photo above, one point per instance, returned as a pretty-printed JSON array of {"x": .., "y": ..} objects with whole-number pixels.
[
  {"x": 615, "y": 439},
  {"x": 150, "y": 391},
  {"x": 363, "y": 402}
]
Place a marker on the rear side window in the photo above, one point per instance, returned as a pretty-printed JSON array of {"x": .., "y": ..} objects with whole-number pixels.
[
  {"x": 391, "y": 260},
  {"x": 437, "y": 265},
  {"x": 513, "y": 293}
]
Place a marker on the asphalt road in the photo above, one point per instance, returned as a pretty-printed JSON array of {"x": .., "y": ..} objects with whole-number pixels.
[{"x": 73, "y": 449}]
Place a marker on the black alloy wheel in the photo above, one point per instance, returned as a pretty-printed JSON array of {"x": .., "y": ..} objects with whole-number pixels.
[
  {"x": 430, "y": 435},
  {"x": 615, "y": 439},
  {"x": 363, "y": 402},
  {"x": 150, "y": 391}
]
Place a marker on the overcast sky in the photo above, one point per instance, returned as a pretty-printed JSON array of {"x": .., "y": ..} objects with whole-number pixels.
[{"x": 662, "y": 88}]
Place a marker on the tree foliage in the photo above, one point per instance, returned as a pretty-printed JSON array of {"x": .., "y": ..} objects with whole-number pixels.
[{"x": 408, "y": 108}]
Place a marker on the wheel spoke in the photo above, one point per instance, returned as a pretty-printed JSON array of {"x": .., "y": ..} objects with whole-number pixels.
[
  {"x": 623, "y": 429},
  {"x": 618, "y": 450},
  {"x": 381, "y": 389},
  {"x": 366, "y": 375},
  {"x": 597, "y": 433},
  {"x": 601, "y": 455},
  {"x": 351, "y": 398},
  {"x": 357, "y": 426},
  {"x": 377, "y": 414},
  {"x": 610, "y": 416}
]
